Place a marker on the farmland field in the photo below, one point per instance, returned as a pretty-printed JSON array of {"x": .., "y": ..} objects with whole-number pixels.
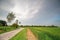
[
  {"x": 41, "y": 33},
  {"x": 45, "y": 33}
]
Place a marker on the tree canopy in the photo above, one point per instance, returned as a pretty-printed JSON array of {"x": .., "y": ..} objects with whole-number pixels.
[{"x": 10, "y": 17}]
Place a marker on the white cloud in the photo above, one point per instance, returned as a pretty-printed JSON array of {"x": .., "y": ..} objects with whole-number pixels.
[{"x": 26, "y": 9}]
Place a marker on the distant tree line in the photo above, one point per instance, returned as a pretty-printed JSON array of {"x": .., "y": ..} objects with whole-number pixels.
[{"x": 37, "y": 26}]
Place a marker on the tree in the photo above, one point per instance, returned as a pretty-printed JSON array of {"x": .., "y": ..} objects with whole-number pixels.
[
  {"x": 16, "y": 21},
  {"x": 15, "y": 24},
  {"x": 19, "y": 22},
  {"x": 10, "y": 17},
  {"x": 3, "y": 23}
]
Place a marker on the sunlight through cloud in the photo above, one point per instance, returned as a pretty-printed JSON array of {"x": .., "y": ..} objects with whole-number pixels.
[{"x": 27, "y": 9}]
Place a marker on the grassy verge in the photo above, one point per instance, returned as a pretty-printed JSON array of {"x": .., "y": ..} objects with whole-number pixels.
[
  {"x": 44, "y": 33},
  {"x": 6, "y": 29},
  {"x": 20, "y": 36}
]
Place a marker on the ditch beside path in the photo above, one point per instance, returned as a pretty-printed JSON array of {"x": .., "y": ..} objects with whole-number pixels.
[
  {"x": 30, "y": 35},
  {"x": 8, "y": 35}
]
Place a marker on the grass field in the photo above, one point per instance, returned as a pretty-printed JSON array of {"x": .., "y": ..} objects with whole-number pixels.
[
  {"x": 42, "y": 33},
  {"x": 20, "y": 36},
  {"x": 6, "y": 29},
  {"x": 45, "y": 33}
]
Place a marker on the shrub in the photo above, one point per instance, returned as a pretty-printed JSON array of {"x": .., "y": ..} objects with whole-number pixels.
[{"x": 15, "y": 25}]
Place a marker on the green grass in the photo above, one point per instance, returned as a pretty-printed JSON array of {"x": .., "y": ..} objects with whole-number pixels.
[
  {"x": 45, "y": 33},
  {"x": 20, "y": 36},
  {"x": 4, "y": 29},
  {"x": 42, "y": 33}
]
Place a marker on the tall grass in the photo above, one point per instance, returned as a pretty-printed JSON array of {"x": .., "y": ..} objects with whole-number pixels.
[
  {"x": 44, "y": 33},
  {"x": 6, "y": 29}
]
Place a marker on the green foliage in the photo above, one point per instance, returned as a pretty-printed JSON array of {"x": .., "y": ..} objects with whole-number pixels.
[
  {"x": 3, "y": 23},
  {"x": 6, "y": 29},
  {"x": 0, "y": 24},
  {"x": 10, "y": 17},
  {"x": 15, "y": 25}
]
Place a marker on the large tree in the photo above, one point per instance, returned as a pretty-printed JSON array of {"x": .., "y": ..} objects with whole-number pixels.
[
  {"x": 3, "y": 23},
  {"x": 10, "y": 17}
]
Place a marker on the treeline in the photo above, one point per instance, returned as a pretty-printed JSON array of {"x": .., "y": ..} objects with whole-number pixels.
[{"x": 37, "y": 26}]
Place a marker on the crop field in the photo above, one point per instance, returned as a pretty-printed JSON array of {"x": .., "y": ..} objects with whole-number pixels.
[
  {"x": 41, "y": 33},
  {"x": 45, "y": 33},
  {"x": 4, "y": 29}
]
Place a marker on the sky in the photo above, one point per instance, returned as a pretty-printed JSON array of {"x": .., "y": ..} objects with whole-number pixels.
[{"x": 32, "y": 12}]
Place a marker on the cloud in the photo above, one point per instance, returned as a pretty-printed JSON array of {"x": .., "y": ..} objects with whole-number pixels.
[
  {"x": 26, "y": 9},
  {"x": 6, "y": 5},
  {"x": 32, "y": 11},
  {"x": 23, "y": 9}
]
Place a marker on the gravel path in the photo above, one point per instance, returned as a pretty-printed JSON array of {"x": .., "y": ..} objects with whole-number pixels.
[
  {"x": 30, "y": 35},
  {"x": 8, "y": 35}
]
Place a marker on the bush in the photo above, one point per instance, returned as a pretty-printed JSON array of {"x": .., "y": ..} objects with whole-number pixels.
[{"x": 15, "y": 25}]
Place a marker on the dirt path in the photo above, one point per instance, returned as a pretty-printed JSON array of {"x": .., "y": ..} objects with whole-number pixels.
[
  {"x": 30, "y": 35},
  {"x": 8, "y": 35}
]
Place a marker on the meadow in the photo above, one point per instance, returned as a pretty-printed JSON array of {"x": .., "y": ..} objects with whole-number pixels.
[
  {"x": 46, "y": 33},
  {"x": 41, "y": 33},
  {"x": 4, "y": 29}
]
